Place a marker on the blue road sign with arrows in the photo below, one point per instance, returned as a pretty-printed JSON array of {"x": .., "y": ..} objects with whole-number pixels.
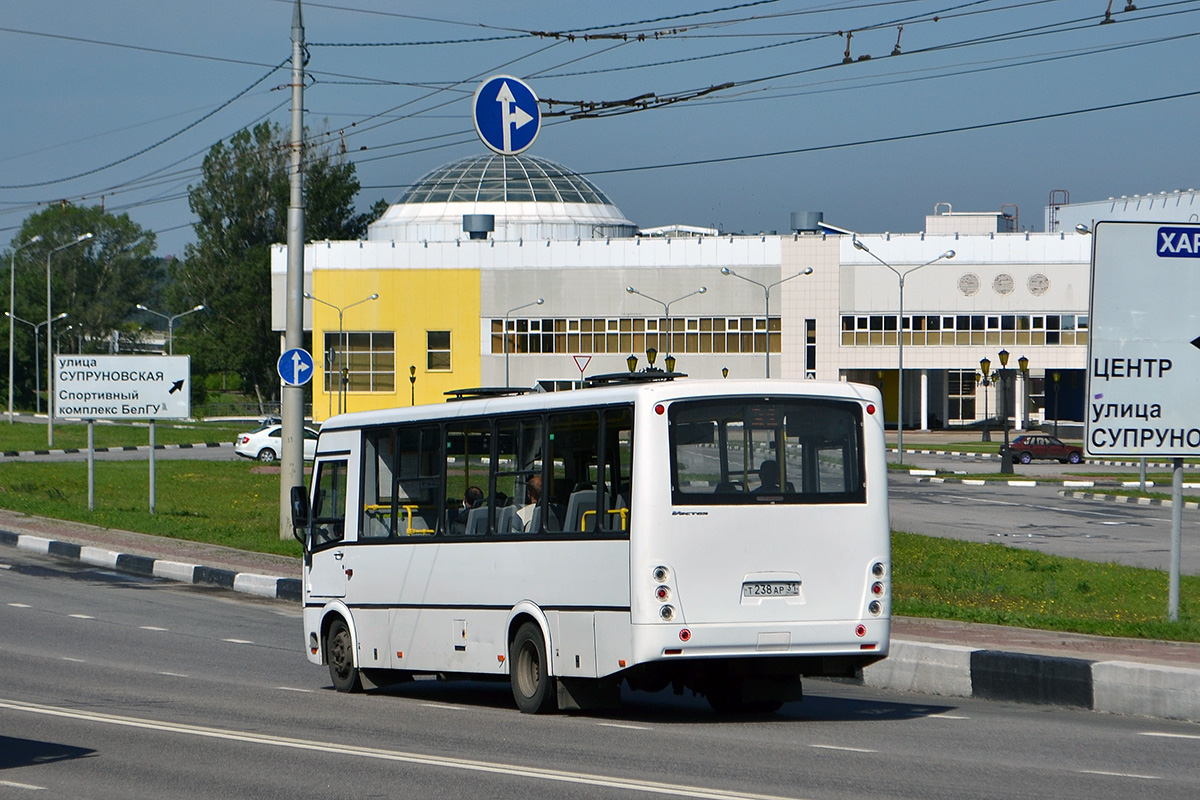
[
  {"x": 295, "y": 366},
  {"x": 507, "y": 117}
]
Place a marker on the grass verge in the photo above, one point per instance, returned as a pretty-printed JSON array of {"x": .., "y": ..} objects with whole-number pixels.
[
  {"x": 993, "y": 583},
  {"x": 26, "y": 436},
  {"x": 230, "y": 503}
]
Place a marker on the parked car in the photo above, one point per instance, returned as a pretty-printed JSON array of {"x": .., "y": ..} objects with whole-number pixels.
[
  {"x": 1038, "y": 445},
  {"x": 265, "y": 443}
]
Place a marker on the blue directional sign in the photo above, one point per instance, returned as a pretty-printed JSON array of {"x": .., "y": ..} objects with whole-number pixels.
[
  {"x": 295, "y": 367},
  {"x": 507, "y": 117}
]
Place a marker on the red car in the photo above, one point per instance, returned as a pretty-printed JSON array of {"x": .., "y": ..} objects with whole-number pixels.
[{"x": 1039, "y": 445}]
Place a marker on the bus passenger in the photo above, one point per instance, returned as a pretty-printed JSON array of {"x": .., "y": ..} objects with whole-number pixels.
[{"x": 533, "y": 493}]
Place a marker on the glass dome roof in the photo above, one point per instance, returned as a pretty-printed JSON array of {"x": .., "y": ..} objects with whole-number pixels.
[{"x": 496, "y": 178}]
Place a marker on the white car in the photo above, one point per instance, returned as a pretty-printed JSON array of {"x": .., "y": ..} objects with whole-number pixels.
[{"x": 265, "y": 443}]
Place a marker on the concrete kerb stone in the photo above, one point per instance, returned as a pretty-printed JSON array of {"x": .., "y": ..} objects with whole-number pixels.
[
  {"x": 269, "y": 586},
  {"x": 938, "y": 669},
  {"x": 1147, "y": 690}
]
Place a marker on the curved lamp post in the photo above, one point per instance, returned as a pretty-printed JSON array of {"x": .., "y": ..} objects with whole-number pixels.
[
  {"x": 537, "y": 302},
  {"x": 666, "y": 304},
  {"x": 37, "y": 327},
  {"x": 766, "y": 287},
  {"x": 12, "y": 309},
  {"x": 900, "y": 276},
  {"x": 83, "y": 237},
  {"x": 341, "y": 310},
  {"x": 170, "y": 318}
]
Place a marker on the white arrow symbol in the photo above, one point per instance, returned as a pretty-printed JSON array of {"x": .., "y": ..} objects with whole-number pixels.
[
  {"x": 512, "y": 116},
  {"x": 298, "y": 368}
]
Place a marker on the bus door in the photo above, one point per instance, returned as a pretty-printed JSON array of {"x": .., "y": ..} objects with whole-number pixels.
[{"x": 327, "y": 566}]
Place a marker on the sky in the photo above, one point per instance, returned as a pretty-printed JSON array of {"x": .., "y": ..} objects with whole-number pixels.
[{"x": 987, "y": 105}]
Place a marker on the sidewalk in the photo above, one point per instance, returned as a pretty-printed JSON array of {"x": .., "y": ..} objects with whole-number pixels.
[{"x": 939, "y": 657}]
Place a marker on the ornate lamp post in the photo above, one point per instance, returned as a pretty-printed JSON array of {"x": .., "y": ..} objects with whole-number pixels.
[
  {"x": 83, "y": 237},
  {"x": 666, "y": 304},
  {"x": 344, "y": 376},
  {"x": 170, "y": 318}
]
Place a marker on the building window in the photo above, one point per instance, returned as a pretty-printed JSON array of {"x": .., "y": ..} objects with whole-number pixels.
[
  {"x": 1009, "y": 330},
  {"x": 636, "y": 335},
  {"x": 364, "y": 360},
  {"x": 437, "y": 351},
  {"x": 810, "y": 348}
]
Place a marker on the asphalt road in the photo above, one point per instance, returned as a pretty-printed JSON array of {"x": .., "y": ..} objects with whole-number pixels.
[{"x": 119, "y": 687}]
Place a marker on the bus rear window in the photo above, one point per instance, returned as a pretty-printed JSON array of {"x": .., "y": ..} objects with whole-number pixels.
[{"x": 749, "y": 451}]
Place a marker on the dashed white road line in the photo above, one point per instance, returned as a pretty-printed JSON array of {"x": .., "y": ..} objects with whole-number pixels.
[
  {"x": 152, "y": 628},
  {"x": 80, "y": 616},
  {"x": 15, "y": 785},
  {"x": 238, "y": 641},
  {"x": 843, "y": 749},
  {"x": 20, "y": 605},
  {"x": 500, "y": 768},
  {"x": 624, "y": 726},
  {"x": 1107, "y": 774}
]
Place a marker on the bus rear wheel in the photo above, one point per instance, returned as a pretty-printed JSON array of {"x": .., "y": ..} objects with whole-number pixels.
[
  {"x": 339, "y": 652},
  {"x": 532, "y": 688}
]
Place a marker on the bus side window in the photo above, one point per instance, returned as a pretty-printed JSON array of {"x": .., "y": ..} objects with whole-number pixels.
[{"x": 329, "y": 504}]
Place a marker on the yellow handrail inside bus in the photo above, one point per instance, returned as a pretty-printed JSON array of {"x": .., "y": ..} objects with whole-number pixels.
[
  {"x": 624, "y": 512},
  {"x": 381, "y": 512}
]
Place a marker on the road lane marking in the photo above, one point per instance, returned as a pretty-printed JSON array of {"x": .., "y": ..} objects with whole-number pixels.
[
  {"x": 238, "y": 641},
  {"x": 626, "y": 727},
  {"x": 20, "y": 605},
  {"x": 74, "y": 660},
  {"x": 15, "y": 785},
  {"x": 294, "y": 689},
  {"x": 152, "y": 628},
  {"x": 845, "y": 749},
  {"x": 947, "y": 716},
  {"x": 1171, "y": 735},
  {"x": 80, "y": 616},
  {"x": 174, "y": 674},
  {"x": 639, "y": 785},
  {"x": 445, "y": 706},
  {"x": 1107, "y": 774}
]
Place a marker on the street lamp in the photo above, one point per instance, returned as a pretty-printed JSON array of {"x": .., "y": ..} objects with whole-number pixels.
[
  {"x": 170, "y": 318},
  {"x": 12, "y": 310},
  {"x": 412, "y": 380},
  {"x": 900, "y": 276},
  {"x": 666, "y": 304},
  {"x": 83, "y": 237},
  {"x": 1004, "y": 375},
  {"x": 537, "y": 302},
  {"x": 37, "y": 326},
  {"x": 341, "y": 310},
  {"x": 766, "y": 302}
]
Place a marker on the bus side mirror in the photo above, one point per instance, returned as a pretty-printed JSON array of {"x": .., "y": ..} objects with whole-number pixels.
[{"x": 300, "y": 512}]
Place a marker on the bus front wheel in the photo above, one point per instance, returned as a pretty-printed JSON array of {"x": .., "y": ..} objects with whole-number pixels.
[
  {"x": 339, "y": 652},
  {"x": 533, "y": 689}
]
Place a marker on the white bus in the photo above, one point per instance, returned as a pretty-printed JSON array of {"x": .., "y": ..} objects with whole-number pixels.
[{"x": 727, "y": 537}]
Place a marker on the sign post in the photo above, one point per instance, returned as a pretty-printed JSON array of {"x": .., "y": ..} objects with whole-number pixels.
[
  {"x": 1144, "y": 353},
  {"x": 122, "y": 388}
]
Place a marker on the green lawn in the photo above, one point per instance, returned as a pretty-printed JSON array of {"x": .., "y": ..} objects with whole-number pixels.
[
  {"x": 32, "y": 436},
  {"x": 235, "y": 503}
]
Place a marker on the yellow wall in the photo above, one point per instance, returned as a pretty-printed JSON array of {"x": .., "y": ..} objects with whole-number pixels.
[{"x": 411, "y": 302}]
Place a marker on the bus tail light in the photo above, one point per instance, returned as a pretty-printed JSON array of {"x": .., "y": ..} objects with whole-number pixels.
[
  {"x": 877, "y": 569},
  {"x": 667, "y": 613},
  {"x": 860, "y": 631},
  {"x": 685, "y": 635},
  {"x": 877, "y": 588},
  {"x": 876, "y": 608},
  {"x": 663, "y": 594},
  {"x": 661, "y": 574}
]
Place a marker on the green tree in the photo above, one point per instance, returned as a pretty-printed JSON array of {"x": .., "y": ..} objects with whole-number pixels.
[
  {"x": 241, "y": 202},
  {"x": 96, "y": 283}
]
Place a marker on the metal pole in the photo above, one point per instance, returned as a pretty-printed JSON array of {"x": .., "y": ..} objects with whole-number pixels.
[
  {"x": 1176, "y": 539},
  {"x": 291, "y": 471},
  {"x": 900, "y": 378},
  {"x": 767, "y": 317},
  {"x": 91, "y": 461},
  {"x": 152, "y": 463}
]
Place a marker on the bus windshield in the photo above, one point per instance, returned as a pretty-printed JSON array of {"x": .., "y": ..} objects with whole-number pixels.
[{"x": 747, "y": 451}]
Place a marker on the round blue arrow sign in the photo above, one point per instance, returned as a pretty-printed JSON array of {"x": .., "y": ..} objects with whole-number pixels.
[
  {"x": 295, "y": 367},
  {"x": 507, "y": 117}
]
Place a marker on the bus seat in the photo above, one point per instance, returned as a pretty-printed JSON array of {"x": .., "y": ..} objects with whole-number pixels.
[
  {"x": 477, "y": 521},
  {"x": 507, "y": 521},
  {"x": 580, "y": 502},
  {"x": 728, "y": 487}
]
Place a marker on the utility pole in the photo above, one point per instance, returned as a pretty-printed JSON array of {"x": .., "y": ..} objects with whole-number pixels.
[{"x": 292, "y": 413}]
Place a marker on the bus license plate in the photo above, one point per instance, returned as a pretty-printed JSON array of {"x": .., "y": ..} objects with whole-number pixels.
[{"x": 771, "y": 589}]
